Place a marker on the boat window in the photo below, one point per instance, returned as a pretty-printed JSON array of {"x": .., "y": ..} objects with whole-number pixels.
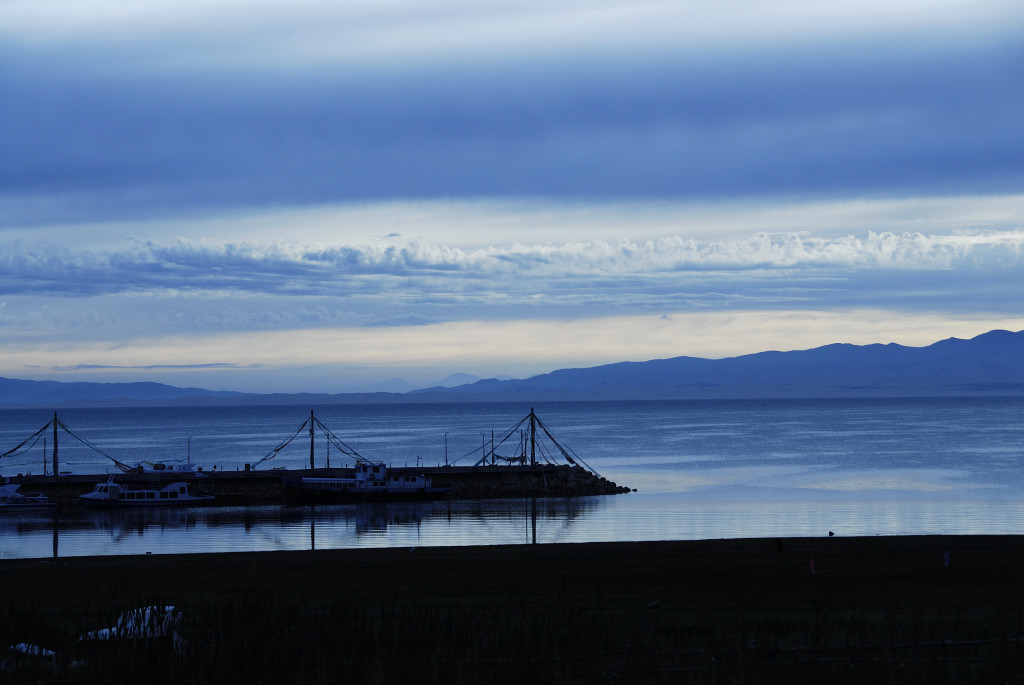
[
  {"x": 150, "y": 495},
  {"x": 174, "y": 495},
  {"x": 163, "y": 495}
]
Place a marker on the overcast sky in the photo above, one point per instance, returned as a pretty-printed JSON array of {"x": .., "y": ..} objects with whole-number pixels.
[{"x": 319, "y": 195}]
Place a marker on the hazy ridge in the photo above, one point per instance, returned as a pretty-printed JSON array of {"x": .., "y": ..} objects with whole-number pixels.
[{"x": 989, "y": 364}]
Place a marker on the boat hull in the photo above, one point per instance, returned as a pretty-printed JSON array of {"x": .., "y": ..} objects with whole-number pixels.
[
  {"x": 12, "y": 500},
  {"x": 113, "y": 504}
]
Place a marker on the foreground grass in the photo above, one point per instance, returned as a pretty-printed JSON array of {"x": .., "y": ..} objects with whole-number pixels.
[{"x": 887, "y": 609}]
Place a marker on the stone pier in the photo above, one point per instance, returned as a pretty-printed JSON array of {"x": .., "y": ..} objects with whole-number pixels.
[{"x": 252, "y": 488}]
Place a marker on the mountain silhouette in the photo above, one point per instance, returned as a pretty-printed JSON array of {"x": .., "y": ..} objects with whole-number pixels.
[{"x": 989, "y": 364}]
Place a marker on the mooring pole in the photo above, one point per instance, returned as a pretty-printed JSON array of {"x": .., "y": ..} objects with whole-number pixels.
[
  {"x": 56, "y": 465},
  {"x": 311, "y": 436}
]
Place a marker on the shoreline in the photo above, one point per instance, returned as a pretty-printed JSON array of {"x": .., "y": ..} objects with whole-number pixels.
[{"x": 663, "y": 569}]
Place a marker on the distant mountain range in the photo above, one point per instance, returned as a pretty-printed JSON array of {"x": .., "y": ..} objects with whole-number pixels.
[
  {"x": 402, "y": 385},
  {"x": 990, "y": 364}
]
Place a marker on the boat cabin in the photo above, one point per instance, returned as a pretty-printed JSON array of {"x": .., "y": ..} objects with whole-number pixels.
[
  {"x": 115, "y": 492},
  {"x": 379, "y": 476}
]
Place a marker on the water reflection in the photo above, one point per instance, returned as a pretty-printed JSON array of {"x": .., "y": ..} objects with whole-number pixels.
[
  {"x": 714, "y": 512},
  {"x": 176, "y": 530}
]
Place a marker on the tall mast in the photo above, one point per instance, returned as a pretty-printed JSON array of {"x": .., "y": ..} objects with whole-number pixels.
[
  {"x": 533, "y": 438},
  {"x": 56, "y": 464},
  {"x": 311, "y": 436}
]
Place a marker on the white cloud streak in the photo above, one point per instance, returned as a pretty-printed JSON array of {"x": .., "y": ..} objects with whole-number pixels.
[{"x": 287, "y": 268}]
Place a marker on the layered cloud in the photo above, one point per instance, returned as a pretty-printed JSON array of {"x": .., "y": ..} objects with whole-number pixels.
[
  {"x": 388, "y": 281},
  {"x": 177, "y": 178},
  {"x": 331, "y": 270}
]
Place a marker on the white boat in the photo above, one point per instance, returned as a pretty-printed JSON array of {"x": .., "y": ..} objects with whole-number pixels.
[
  {"x": 372, "y": 482},
  {"x": 111, "y": 494},
  {"x": 11, "y": 499}
]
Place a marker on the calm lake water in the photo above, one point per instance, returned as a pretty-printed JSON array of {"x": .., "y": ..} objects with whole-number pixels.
[{"x": 724, "y": 469}]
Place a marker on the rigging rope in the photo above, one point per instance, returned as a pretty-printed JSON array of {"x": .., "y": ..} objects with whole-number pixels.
[
  {"x": 34, "y": 438},
  {"x": 565, "y": 453},
  {"x": 547, "y": 456},
  {"x": 504, "y": 436},
  {"x": 273, "y": 452},
  {"x": 331, "y": 437},
  {"x": 337, "y": 442},
  {"x": 123, "y": 467}
]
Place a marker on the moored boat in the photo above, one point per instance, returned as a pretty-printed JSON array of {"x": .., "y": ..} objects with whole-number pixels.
[
  {"x": 12, "y": 499},
  {"x": 372, "y": 482},
  {"x": 161, "y": 467},
  {"x": 111, "y": 494}
]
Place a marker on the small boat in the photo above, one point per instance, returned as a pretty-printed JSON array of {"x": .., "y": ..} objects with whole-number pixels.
[
  {"x": 11, "y": 499},
  {"x": 111, "y": 494},
  {"x": 372, "y": 482},
  {"x": 174, "y": 466}
]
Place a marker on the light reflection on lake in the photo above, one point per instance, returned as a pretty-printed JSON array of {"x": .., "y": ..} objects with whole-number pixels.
[
  {"x": 180, "y": 530},
  {"x": 743, "y": 513}
]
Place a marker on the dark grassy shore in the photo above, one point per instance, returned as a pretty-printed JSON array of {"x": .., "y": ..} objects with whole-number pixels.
[{"x": 885, "y": 608}]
